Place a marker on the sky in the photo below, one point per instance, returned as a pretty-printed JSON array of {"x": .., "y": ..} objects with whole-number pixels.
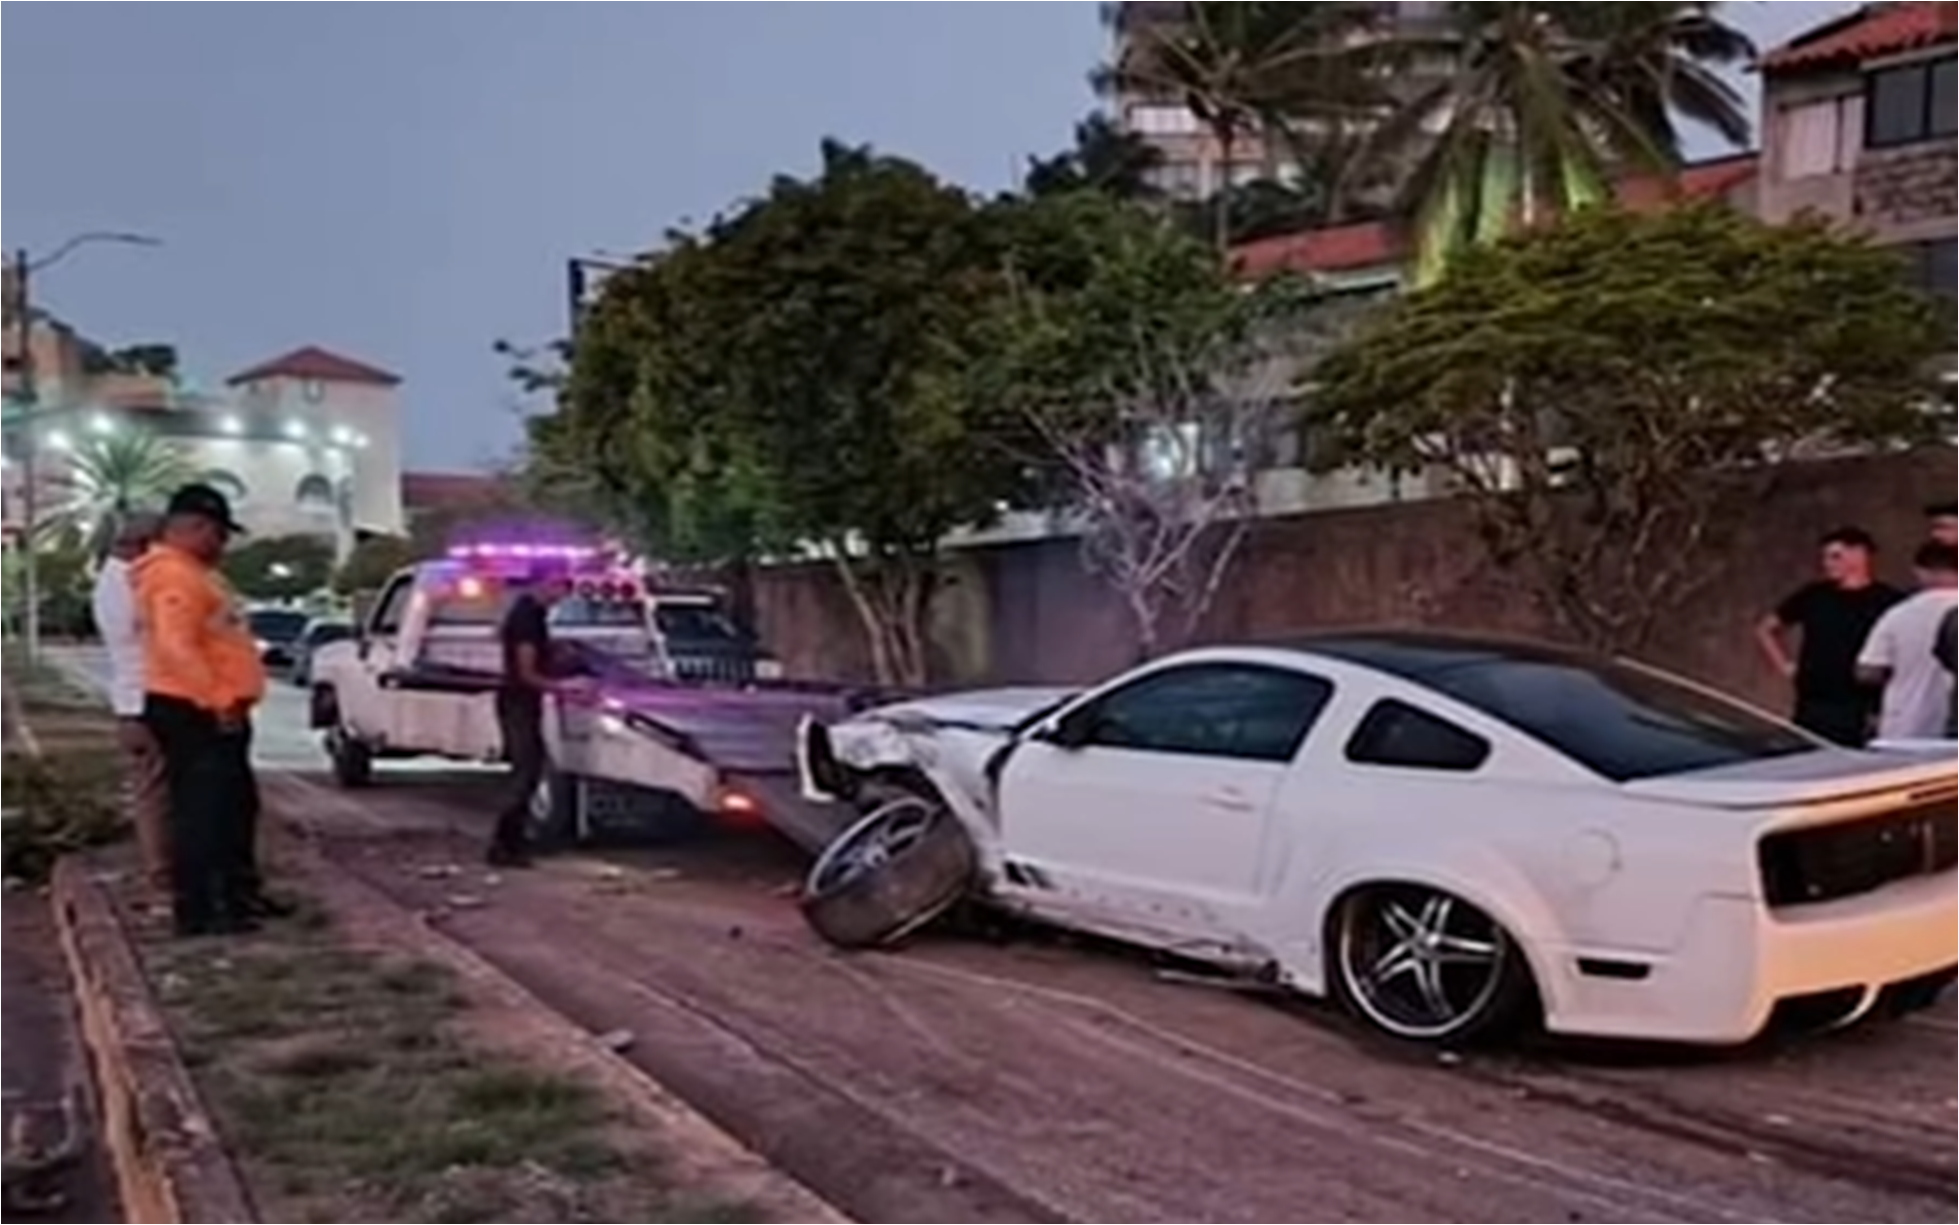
[{"x": 403, "y": 183}]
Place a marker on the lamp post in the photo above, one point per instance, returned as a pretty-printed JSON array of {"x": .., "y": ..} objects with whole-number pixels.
[{"x": 28, "y": 411}]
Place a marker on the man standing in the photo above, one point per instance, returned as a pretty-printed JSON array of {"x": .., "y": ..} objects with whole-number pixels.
[
  {"x": 1834, "y": 616},
  {"x": 525, "y": 635},
  {"x": 1902, "y": 654},
  {"x": 115, "y": 619},
  {"x": 202, "y": 676}
]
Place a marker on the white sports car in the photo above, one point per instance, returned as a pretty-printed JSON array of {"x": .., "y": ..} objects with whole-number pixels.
[{"x": 1444, "y": 833}]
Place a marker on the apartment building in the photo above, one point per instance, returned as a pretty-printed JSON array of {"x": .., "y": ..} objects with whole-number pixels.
[{"x": 1859, "y": 118}]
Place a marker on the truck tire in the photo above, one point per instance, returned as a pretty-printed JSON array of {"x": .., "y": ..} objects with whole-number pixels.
[
  {"x": 353, "y": 761},
  {"x": 899, "y": 868},
  {"x": 554, "y": 810}
]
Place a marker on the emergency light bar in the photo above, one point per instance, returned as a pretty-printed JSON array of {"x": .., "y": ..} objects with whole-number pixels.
[{"x": 526, "y": 552}]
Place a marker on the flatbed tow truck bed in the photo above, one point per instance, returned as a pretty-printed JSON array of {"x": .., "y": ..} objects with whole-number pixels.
[{"x": 726, "y": 748}]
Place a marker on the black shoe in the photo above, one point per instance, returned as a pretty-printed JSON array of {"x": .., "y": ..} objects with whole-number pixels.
[
  {"x": 508, "y": 857},
  {"x": 218, "y": 925},
  {"x": 265, "y": 906}
]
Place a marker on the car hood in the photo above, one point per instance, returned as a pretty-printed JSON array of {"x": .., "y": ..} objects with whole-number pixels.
[
  {"x": 1806, "y": 778},
  {"x": 975, "y": 710}
]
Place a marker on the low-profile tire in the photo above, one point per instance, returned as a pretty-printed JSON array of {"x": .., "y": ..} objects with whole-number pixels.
[
  {"x": 903, "y": 865},
  {"x": 1420, "y": 965},
  {"x": 353, "y": 761}
]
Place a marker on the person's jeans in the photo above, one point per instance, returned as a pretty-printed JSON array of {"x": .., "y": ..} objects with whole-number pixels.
[
  {"x": 242, "y": 876},
  {"x": 521, "y": 720},
  {"x": 200, "y": 782}
]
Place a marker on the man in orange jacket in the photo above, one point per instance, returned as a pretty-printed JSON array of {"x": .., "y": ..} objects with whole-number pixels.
[{"x": 201, "y": 677}]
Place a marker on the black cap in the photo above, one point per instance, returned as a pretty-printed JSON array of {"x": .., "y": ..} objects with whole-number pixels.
[{"x": 206, "y": 502}]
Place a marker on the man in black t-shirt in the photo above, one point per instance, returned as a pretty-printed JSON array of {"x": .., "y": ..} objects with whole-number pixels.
[
  {"x": 525, "y": 636},
  {"x": 1834, "y": 616}
]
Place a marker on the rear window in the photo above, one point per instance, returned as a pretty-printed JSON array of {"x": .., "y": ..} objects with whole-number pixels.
[
  {"x": 1621, "y": 720},
  {"x": 583, "y": 612},
  {"x": 276, "y": 624},
  {"x": 696, "y": 623}
]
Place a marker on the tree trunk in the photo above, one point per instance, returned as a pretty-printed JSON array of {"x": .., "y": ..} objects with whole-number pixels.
[
  {"x": 1221, "y": 195},
  {"x": 892, "y": 596}
]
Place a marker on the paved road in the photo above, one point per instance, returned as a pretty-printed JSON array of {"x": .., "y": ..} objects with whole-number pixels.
[{"x": 1033, "y": 1079}]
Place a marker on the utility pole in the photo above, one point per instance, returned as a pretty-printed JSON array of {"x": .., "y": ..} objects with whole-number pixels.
[{"x": 26, "y": 390}]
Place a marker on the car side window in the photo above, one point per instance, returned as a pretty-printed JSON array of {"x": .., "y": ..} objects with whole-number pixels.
[
  {"x": 1393, "y": 733},
  {"x": 1246, "y": 712},
  {"x": 388, "y": 610}
]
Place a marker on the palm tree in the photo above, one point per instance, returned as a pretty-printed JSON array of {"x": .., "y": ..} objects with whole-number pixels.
[
  {"x": 1273, "y": 71},
  {"x": 1531, "y": 109},
  {"x": 112, "y": 475}
]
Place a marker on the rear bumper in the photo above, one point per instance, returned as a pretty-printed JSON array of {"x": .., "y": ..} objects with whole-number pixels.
[{"x": 1739, "y": 965}]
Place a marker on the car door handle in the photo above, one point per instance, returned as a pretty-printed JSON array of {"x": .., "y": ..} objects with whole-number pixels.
[{"x": 1230, "y": 799}]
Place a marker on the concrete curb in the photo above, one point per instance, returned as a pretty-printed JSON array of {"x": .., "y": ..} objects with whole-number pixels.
[
  {"x": 168, "y": 1160},
  {"x": 701, "y": 1152}
]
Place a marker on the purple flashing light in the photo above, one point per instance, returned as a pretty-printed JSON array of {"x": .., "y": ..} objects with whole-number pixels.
[{"x": 519, "y": 551}]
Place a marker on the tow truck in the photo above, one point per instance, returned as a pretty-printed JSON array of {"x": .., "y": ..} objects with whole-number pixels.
[{"x": 657, "y": 739}]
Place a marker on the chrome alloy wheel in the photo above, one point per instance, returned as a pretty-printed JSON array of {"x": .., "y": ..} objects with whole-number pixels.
[{"x": 1422, "y": 965}]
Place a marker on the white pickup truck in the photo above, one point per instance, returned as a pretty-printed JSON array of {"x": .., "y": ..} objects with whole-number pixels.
[{"x": 669, "y": 731}]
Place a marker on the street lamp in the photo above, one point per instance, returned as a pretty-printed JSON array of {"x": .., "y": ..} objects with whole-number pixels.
[{"x": 27, "y": 410}]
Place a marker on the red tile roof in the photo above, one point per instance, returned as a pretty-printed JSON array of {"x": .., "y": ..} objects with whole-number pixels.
[
  {"x": 1378, "y": 244},
  {"x": 321, "y": 365},
  {"x": 1872, "y": 31},
  {"x": 449, "y": 490}
]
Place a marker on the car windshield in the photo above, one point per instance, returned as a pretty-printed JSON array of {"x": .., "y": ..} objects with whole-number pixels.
[
  {"x": 276, "y": 624},
  {"x": 1619, "y": 719},
  {"x": 583, "y": 612},
  {"x": 696, "y": 623},
  {"x": 323, "y": 632}
]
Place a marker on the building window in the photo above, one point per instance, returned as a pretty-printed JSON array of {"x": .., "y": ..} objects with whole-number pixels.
[
  {"x": 313, "y": 391},
  {"x": 1933, "y": 267},
  {"x": 1814, "y": 139},
  {"x": 315, "y": 493},
  {"x": 225, "y": 482},
  {"x": 1911, "y": 103},
  {"x": 1179, "y": 180},
  {"x": 1156, "y": 120}
]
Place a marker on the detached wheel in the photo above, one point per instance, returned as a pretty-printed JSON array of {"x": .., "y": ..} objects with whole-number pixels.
[
  {"x": 889, "y": 875},
  {"x": 353, "y": 761},
  {"x": 1422, "y": 965}
]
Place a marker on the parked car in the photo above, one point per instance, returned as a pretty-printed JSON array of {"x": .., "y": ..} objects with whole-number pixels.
[
  {"x": 1447, "y": 835},
  {"x": 277, "y": 631},
  {"x": 318, "y": 633}
]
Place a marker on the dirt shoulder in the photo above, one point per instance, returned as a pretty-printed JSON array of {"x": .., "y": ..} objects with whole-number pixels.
[
  {"x": 968, "y": 1080},
  {"x": 355, "y": 1080}
]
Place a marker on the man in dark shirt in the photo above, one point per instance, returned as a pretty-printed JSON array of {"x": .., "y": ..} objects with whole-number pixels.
[
  {"x": 1834, "y": 616},
  {"x": 525, "y": 636}
]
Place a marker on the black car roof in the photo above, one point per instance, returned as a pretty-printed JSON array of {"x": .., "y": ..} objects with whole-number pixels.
[{"x": 1414, "y": 654}]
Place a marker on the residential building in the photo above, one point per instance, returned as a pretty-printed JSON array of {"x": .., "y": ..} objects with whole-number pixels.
[
  {"x": 1859, "y": 118},
  {"x": 307, "y": 443}
]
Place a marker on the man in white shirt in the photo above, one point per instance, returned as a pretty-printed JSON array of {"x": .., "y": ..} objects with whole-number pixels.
[
  {"x": 115, "y": 619},
  {"x": 1902, "y": 652}
]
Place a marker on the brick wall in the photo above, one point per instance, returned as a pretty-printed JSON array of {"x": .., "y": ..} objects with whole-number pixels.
[{"x": 1027, "y": 612}]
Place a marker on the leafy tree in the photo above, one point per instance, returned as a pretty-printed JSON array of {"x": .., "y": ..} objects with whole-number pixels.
[
  {"x": 1262, "y": 208},
  {"x": 1538, "y": 106},
  {"x": 109, "y": 476},
  {"x": 1149, "y": 389},
  {"x": 279, "y": 567},
  {"x": 1281, "y": 73},
  {"x": 1105, "y": 158},
  {"x": 372, "y": 563},
  {"x": 1612, "y": 393}
]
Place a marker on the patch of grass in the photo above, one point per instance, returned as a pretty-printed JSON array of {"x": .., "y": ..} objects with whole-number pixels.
[{"x": 349, "y": 1085}]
